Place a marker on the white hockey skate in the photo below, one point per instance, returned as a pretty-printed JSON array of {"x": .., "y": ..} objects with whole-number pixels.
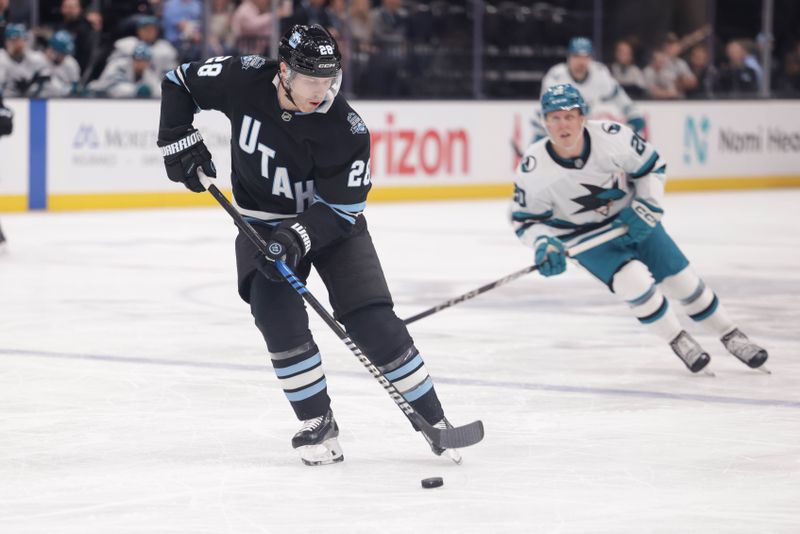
[
  {"x": 690, "y": 352},
  {"x": 453, "y": 454},
  {"x": 316, "y": 441},
  {"x": 745, "y": 350}
]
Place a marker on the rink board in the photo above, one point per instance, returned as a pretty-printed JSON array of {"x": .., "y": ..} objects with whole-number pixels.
[{"x": 75, "y": 154}]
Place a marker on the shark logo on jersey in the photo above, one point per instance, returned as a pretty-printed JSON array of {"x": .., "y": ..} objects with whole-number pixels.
[
  {"x": 286, "y": 116},
  {"x": 528, "y": 164},
  {"x": 357, "y": 125},
  {"x": 599, "y": 198},
  {"x": 255, "y": 62},
  {"x": 611, "y": 127}
]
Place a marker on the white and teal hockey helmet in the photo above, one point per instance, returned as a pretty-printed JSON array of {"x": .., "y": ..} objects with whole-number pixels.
[{"x": 563, "y": 97}]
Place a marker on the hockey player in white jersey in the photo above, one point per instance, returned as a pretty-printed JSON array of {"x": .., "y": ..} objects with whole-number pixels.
[
  {"x": 65, "y": 73},
  {"x": 129, "y": 77},
  {"x": 165, "y": 57},
  {"x": 26, "y": 72},
  {"x": 599, "y": 89},
  {"x": 588, "y": 177}
]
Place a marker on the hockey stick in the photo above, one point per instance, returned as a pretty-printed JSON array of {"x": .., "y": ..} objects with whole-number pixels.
[
  {"x": 571, "y": 252},
  {"x": 443, "y": 438}
]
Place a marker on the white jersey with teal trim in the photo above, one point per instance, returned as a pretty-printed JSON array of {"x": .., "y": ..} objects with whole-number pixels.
[
  {"x": 64, "y": 78},
  {"x": 119, "y": 80},
  {"x": 26, "y": 77},
  {"x": 577, "y": 198},
  {"x": 598, "y": 89}
]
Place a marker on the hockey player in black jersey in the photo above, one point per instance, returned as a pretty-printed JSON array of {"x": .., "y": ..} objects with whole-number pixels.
[{"x": 300, "y": 175}]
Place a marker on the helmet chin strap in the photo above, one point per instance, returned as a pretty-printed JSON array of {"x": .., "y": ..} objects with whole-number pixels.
[{"x": 288, "y": 91}]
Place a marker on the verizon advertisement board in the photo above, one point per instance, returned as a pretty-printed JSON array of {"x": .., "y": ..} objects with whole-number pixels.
[{"x": 109, "y": 146}]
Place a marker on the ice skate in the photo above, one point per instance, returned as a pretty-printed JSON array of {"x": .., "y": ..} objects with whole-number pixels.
[
  {"x": 453, "y": 454},
  {"x": 745, "y": 350},
  {"x": 690, "y": 352},
  {"x": 316, "y": 441}
]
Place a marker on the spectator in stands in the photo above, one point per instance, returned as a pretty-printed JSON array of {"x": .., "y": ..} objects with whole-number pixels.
[
  {"x": 308, "y": 12},
  {"x": 625, "y": 70},
  {"x": 661, "y": 80},
  {"x": 788, "y": 81},
  {"x": 387, "y": 64},
  {"x": 165, "y": 57},
  {"x": 685, "y": 80},
  {"x": 337, "y": 9},
  {"x": 129, "y": 77},
  {"x": 25, "y": 72},
  {"x": 220, "y": 35},
  {"x": 82, "y": 32},
  {"x": 704, "y": 71},
  {"x": 65, "y": 73},
  {"x": 101, "y": 47},
  {"x": 182, "y": 21},
  {"x": 735, "y": 77},
  {"x": 252, "y": 25},
  {"x": 751, "y": 60},
  {"x": 359, "y": 27}
]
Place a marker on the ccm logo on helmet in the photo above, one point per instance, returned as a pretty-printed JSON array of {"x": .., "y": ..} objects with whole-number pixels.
[{"x": 326, "y": 65}]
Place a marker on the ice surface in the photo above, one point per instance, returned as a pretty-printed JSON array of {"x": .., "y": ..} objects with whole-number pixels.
[{"x": 136, "y": 396}]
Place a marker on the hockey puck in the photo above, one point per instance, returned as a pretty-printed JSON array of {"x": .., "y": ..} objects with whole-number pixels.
[{"x": 433, "y": 482}]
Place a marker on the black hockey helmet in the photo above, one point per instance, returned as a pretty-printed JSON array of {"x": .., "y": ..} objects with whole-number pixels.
[{"x": 310, "y": 50}]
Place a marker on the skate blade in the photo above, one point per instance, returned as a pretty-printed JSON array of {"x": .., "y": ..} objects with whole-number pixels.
[
  {"x": 325, "y": 453},
  {"x": 763, "y": 369}
]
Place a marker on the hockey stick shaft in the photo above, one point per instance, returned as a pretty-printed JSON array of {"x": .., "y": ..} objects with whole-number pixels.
[
  {"x": 450, "y": 438},
  {"x": 572, "y": 252}
]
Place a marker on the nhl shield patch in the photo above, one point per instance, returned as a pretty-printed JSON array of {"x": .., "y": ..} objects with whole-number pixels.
[
  {"x": 357, "y": 125},
  {"x": 252, "y": 62}
]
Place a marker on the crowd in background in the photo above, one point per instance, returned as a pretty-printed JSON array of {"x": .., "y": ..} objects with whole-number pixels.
[
  {"x": 392, "y": 48},
  {"x": 682, "y": 68}
]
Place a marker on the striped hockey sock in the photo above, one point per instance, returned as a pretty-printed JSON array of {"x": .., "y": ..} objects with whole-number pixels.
[
  {"x": 698, "y": 301},
  {"x": 300, "y": 373},
  {"x": 408, "y": 374}
]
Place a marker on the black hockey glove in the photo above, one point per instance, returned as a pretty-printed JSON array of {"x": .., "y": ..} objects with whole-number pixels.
[
  {"x": 289, "y": 242},
  {"x": 183, "y": 157},
  {"x": 6, "y": 121}
]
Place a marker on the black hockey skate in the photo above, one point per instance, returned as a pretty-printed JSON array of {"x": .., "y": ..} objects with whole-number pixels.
[
  {"x": 453, "y": 454},
  {"x": 745, "y": 350},
  {"x": 690, "y": 352},
  {"x": 316, "y": 441}
]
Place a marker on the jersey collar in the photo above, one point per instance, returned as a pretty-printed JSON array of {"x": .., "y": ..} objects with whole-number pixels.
[{"x": 573, "y": 163}]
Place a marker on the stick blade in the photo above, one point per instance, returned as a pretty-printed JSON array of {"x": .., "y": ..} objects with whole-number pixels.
[
  {"x": 461, "y": 436},
  {"x": 450, "y": 438}
]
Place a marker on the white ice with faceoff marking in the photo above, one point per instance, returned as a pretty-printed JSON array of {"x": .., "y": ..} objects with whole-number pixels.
[{"x": 136, "y": 396}]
